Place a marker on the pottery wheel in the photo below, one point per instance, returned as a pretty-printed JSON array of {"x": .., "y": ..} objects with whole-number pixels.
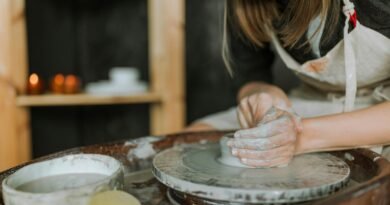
[{"x": 196, "y": 170}]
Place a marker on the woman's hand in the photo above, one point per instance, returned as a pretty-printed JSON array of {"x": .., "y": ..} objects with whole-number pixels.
[
  {"x": 270, "y": 135},
  {"x": 255, "y": 99},
  {"x": 252, "y": 109}
]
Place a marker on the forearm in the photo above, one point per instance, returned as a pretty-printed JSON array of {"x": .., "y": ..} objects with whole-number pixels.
[
  {"x": 257, "y": 87},
  {"x": 365, "y": 127}
]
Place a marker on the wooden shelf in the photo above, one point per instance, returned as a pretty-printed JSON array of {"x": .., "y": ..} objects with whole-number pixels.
[
  {"x": 84, "y": 99},
  {"x": 166, "y": 70}
]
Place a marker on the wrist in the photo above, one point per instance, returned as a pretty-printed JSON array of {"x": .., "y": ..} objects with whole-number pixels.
[
  {"x": 305, "y": 137},
  {"x": 310, "y": 139}
]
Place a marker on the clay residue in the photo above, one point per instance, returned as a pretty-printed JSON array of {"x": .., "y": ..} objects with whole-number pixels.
[
  {"x": 349, "y": 157},
  {"x": 144, "y": 148}
]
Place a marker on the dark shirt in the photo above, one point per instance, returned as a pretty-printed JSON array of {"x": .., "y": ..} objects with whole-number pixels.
[{"x": 252, "y": 63}]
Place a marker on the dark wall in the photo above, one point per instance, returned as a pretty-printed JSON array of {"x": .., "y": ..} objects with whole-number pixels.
[
  {"x": 88, "y": 37},
  {"x": 209, "y": 86}
]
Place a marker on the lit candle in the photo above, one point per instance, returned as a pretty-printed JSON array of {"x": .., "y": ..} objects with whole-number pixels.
[
  {"x": 57, "y": 84},
  {"x": 72, "y": 84},
  {"x": 34, "y": 85}
]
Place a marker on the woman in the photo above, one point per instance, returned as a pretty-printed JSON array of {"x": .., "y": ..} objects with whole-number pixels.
[{"x": 340, "y": 51}]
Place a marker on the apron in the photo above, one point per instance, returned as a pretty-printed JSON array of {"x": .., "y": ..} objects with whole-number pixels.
[{"x": 358, "y": 64}]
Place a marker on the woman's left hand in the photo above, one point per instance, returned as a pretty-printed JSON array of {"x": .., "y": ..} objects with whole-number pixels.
[{"x": 270, "y": 144}]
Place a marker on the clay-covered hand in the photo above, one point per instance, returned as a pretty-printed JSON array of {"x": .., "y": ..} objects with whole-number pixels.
[
  {"x": 271, "y": 143},
  {"x": 252, "y": 109}
]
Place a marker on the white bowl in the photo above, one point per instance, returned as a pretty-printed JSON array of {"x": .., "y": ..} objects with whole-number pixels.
[
  {"x": 68, "y": 180},
  {"x": 124, "y": 75}
]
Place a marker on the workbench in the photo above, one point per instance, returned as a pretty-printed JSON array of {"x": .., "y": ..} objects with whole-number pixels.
[{"x": 369, "y": 171}]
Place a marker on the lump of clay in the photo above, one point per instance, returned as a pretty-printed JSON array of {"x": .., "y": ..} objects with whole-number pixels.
[{"x": 227, "y": 157}]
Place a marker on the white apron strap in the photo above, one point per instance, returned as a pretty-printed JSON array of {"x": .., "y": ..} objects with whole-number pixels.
[{"x": 350, "y": 63}]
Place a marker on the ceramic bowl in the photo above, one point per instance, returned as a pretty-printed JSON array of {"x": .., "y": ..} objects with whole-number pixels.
[{"x": 69, "y": 180}]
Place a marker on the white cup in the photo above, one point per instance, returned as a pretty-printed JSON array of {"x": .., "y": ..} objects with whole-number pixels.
[{"x": 124, "y": 75}]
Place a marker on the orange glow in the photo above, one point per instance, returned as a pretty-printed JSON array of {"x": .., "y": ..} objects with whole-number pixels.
[
  {"x": 57, "y": 83},
  {"x": 71, "y": 79},
  {"x": 72, "y": 84},
  {"x": 34, "y": 79},
  {"x": 59, "y": 79},
  {"x": 34, "y": 84}
]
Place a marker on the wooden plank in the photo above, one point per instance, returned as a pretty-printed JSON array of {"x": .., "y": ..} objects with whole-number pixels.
[
  {"x": 23, "y": 133},
  {"x": 19, "y": 73},
  {"x": 9, "y": 142},
  {"x": 15, "y": 132},
  {"x": 166, "y": 55},
  {"x": 19, "y": 64},
  {"x": 85, "y": 99},
  {"x": 5, "y": 38}
]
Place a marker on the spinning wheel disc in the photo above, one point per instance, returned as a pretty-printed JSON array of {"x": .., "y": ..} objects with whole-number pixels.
[{"x": 196, "y": 170}]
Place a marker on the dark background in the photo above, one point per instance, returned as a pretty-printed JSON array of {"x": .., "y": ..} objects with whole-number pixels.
[{"x": 88, "y": 37}]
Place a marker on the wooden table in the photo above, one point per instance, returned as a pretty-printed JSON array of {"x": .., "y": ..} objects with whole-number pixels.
[{"x": 370, "y": 171}]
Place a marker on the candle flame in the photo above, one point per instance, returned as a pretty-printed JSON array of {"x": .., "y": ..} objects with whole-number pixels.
[{"x": 34, "y": 79}]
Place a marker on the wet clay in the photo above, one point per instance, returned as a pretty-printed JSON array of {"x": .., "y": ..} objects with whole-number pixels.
[{"x": 226, "y": 156}]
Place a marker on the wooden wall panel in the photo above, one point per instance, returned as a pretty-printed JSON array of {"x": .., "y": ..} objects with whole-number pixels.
[
  {"x": 166, "y": 55},
  {"x": 9, "y": 155},
  {"x": 15, "y": 146}
]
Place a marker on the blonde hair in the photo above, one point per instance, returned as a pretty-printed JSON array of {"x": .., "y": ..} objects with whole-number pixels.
[{"x": 254, "y": 19}]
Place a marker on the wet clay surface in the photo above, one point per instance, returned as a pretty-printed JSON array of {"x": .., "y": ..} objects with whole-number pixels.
[{"x": 369, "y": 172}]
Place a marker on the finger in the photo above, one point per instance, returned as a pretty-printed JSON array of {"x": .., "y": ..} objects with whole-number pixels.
[
  {"x": 251, "y": 112},
  {"x": 263, "y": 102},
  {"x": 262, "y": 143},
  {"x": 256, "y": 108},
  {"x": 245, "y": 110},
  {"x": 272, "y": 128},
  {"x": 266, "y": 99},
  {"x": 253, "y": 100},
  {"x": 279, "y": 162},
  {"x": 262, "y": 131},
  {"x": 242, "y": 120},
  {"x": 282, "y": 151},
  {"x": 273, "y": 114}
]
